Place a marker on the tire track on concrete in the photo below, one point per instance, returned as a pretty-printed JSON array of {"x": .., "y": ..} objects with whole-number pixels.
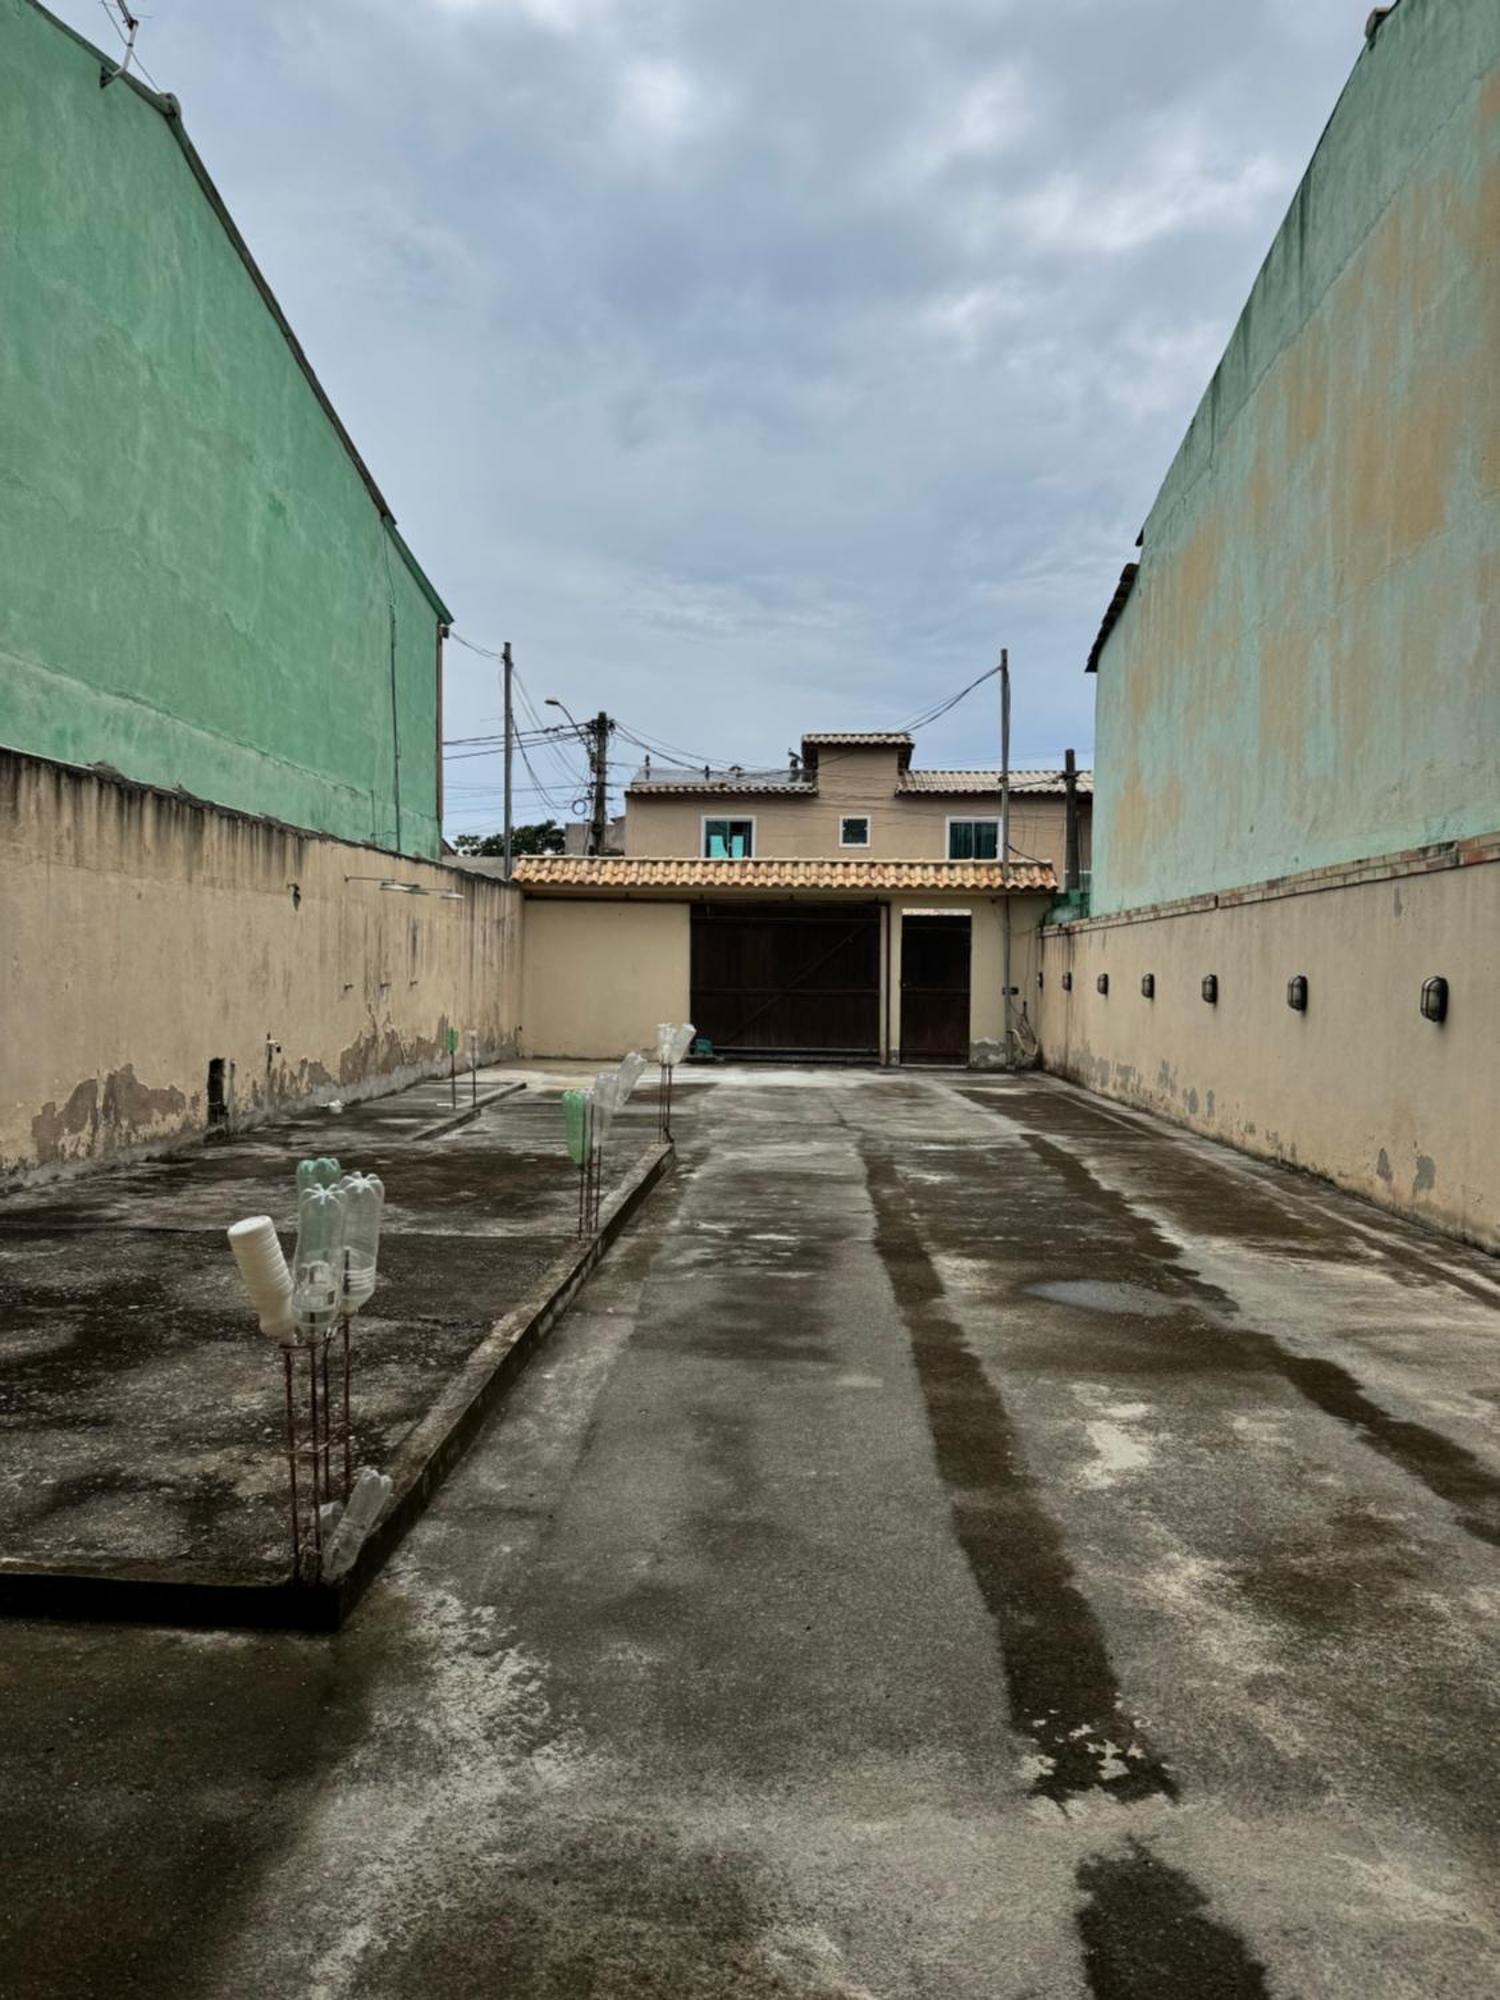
[
  {"x": 1061, "y": 1684},
  {"x": 1448, "y": 1470}
]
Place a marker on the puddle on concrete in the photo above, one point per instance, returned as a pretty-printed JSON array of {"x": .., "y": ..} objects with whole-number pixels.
[{"x": 1100, "y": 1295}]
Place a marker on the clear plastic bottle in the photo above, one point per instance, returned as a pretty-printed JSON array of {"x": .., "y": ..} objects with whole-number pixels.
[
  {"x": 318, "y": 1266},
  {"x": 316, "y": 1173},
  {"x": 364, "y": 1203},
  {"x": 578, "y": 1109},
  {"x": 631, "y": 1066}
]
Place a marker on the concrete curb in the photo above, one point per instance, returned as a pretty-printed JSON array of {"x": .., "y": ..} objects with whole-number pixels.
[
  {"x": 465, "y": 1117},
  {"x": 424, "y": 1459}
]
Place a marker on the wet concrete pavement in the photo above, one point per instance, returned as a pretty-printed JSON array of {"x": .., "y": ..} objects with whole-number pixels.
[
  {"x": 965, "y": 1541},
  {"x": 142, "y": 1420}
]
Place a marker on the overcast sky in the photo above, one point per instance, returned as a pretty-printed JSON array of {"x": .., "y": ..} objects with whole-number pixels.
[{"x": 761, "y": 365}]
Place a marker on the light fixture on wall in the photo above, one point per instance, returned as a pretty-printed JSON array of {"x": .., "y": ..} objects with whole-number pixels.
[
  {"x": 1296, "y": 993},
  {"x": 1211, "y": 988},
  {"x": 1148, "y": 985},
  {"x": 1434, "y": 999},
  {"x": 1067, "y": 982},
  {"x": 1101, "y": 984},
  {"x": 389, "y": 882}
]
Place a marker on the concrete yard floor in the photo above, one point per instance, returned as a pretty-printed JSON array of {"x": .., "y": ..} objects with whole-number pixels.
[
  {"x": 142, "y": 1412},
  {"x": 965, "y": 1541}
]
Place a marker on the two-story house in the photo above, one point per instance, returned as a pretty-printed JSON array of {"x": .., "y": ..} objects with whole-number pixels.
[
  {"x": 844, "y": 906},
  {"x": 852, "y": 795}
]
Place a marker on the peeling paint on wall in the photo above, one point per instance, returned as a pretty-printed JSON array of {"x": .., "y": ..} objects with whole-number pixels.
[{"x": 149, "y": 937}]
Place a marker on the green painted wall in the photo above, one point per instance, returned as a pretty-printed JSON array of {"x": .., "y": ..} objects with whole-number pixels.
[
  {"x": 1309, "y": 668},
  {"x": 197, "y": 582}
]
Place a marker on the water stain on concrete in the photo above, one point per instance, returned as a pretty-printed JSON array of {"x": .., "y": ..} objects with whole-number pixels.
[
  {"x": 1101, "y": 1295},
  {"x": 1147, "y": 1935},
  {"x": 1446, "y": 1469},
  {"x": 1061, "y": 1684}
]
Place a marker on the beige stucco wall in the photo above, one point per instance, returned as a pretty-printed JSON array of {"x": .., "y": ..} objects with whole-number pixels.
[
  {"x": 1360, "y": 1088},
  {"x": 903, "y": 827},
  {"x": 598, "y": 975},
  {"x": 144, "y": 935}
]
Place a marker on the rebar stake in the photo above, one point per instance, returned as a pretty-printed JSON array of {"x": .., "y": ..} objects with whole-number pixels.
[{"x": 291, "y": 1453}]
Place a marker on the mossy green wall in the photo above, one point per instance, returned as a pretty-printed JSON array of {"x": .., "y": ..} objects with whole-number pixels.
[
  {"x": 197, "y": 583},
  {"x": 1308, "y": 671}
]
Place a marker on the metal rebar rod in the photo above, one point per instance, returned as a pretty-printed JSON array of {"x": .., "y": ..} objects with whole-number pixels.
[
  {"x": 348, "y": 1421},
  {"x": 317, "y": 1498},
  {"x": 291, "y": 1454},
  {"x": 327, "y": 1428}
]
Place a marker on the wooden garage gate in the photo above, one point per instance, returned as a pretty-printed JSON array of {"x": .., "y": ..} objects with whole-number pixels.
[{"x": 788, "y": 979}]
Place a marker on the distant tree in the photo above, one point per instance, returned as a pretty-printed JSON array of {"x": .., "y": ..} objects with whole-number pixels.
[{"x": 545, "y": 837}]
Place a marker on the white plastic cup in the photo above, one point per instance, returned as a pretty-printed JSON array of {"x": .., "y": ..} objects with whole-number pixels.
[{"x": 257, "y": 1251}]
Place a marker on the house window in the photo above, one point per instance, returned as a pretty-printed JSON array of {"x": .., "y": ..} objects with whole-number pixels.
[
  {"x": 973, "y": 839},
  {"x": 854, "y": 832},
  {"x": 728, "y": 839}
]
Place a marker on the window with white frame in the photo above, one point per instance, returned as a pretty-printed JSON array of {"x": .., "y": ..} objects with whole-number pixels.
[
  {"x": 973, "y": 839},
  {"x": 728, "y": 839},
  {"x": 854, "y": 830}
]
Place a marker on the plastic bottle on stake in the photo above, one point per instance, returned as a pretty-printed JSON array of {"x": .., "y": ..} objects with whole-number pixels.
[
  {"x": 364, "y": 1204},
  {"x": 318, "y": 1267}
]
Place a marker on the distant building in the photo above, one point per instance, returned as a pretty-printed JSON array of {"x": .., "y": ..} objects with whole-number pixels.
[
  {"x": 204, "y": 588},
  {"x": 853, "y": 795}
]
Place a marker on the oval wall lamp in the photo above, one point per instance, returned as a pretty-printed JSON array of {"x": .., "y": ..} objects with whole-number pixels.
[
  {"x": 1296, "y": 993},
  {"x": 1211, "y": 988},
  {"x": 1102, "y": 983},
  {"x": 1434, "y": 999},
  {"x": 1148, "y": 985}
]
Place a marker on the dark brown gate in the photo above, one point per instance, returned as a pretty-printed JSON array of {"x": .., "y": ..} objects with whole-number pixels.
[
  {"x": 935, "y": 989},
  {"x": 788, "y": 979}
]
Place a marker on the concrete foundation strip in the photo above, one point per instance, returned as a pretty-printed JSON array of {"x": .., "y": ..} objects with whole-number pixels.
[
  {"x": 465, "y": 1116},
  {"x": 430, "y": 1451}
]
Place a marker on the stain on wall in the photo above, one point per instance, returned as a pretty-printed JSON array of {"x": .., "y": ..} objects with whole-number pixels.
[
  {"x": 1361, "y": 1088},
  {"x": 1305, "y": 672},
  {"x": 148, "y": 937}
]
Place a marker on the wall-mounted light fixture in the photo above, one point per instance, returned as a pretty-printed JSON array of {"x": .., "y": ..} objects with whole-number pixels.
[
  {"x": 1296, "y": 993},
  {"x": 1148, "y": 985},
  {"x": 1434, "y": 999},
  {"x": 1067, "y": 982},
  {"x": 1211, "y": 988},
  {"x": 388, "y": 882},
  {"x": 1041, "y": 980},
  {"x": 1101, "y": 984},
  {"x": 453, "y": 896}
]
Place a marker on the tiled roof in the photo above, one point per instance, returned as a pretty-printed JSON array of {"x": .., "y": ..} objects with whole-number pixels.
[
  {"x": 871, "y": 739},
  {"x": 1111, "y": 617},
  {"x": 569, "y": 871},
  {"x": 989, "y": 781},
  {"x": 747, "y": 782}
]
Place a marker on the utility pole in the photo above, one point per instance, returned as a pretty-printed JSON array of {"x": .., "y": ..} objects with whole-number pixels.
[
  {"x": 599, "y": 733},
  {"x": 507, "y": 674},
  {"x": 1072, "y": 869},
  {"x": 1005, "y": 848}
]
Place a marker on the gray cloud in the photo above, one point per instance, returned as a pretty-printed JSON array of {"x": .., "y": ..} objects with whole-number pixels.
[{"x": 761, "y": 367}]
